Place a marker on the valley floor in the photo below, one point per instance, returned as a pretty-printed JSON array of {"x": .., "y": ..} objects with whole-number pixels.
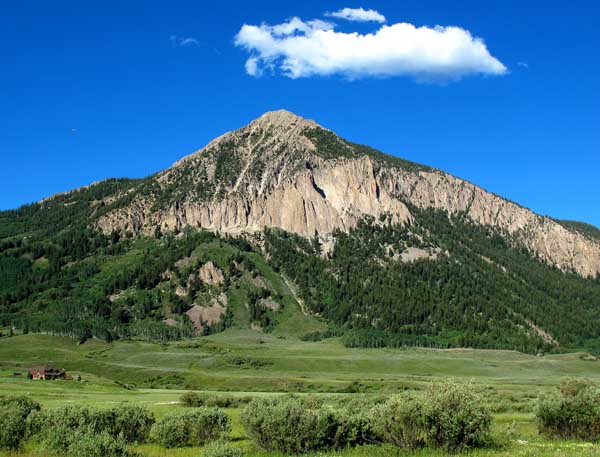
[{"x": 245, "y": 363}]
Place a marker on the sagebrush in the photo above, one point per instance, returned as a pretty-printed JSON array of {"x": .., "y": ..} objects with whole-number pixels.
[
  {"x": 193, "y": 428},
  {"x": 571, "y": 412}
]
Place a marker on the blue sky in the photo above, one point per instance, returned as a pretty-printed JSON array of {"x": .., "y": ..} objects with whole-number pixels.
[{"x": 119, "y": 89}]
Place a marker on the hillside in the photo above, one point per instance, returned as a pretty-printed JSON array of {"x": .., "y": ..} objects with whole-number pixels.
[{"x": 282, "y": 226}]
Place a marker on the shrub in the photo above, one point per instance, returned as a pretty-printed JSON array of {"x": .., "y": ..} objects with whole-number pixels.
[
  {"x": 353, "y": 428},
  {"x": 294, "y": 425},
  {"x": 97, "y": 445},
  {"x": 289, "y": 425},
  {"x": 86, "y": 444},
  {"x": 22, "y": 402},
  {"x": 456, "y": 417},
  {"x": 402, "y": 421},
  {"x": 226, "y": 401},
  {"x": 171, "y": 431},
  {"x": 130, "y": 423},
  {"x": 65, "y": 420},
  {"x": 191, "y": 428},
  {"x": 14, "y": 411},
  {"x": 572, "y": 412},
  {"x": 193, "y": 399},
  {"x": 59, "y": 438},
  {"x": 12, "y": 428},
  {"x": 221, "y": 449},
  {"x": 449, "y": 416}
]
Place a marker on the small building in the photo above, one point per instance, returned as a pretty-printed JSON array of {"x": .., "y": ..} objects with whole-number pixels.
[{"x": 46, "y": 373}]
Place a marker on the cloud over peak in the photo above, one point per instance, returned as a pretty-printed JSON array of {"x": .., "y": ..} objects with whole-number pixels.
[
  {"x": 358, "y": 15},
  {"x": 299, "y": 49}
]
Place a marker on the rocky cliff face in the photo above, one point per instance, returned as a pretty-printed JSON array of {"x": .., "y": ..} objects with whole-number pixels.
[
  {"x": 548, "y": 240},
  {"x": 288, "y": 172}
]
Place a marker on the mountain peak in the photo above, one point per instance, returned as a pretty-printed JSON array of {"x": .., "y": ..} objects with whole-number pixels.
[
  {"x": 282, "y": 118},
  {"x": 272, "y": 130}
]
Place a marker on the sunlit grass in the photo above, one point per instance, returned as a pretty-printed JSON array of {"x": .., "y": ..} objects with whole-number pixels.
[{"x": 510, "y": 381}]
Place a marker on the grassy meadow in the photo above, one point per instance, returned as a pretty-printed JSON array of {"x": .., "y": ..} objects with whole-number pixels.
[{"x": 247, "y": 363}]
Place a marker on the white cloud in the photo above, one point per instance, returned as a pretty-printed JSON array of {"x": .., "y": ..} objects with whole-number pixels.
[
  {"x": 298, "y": 49},
  {"x": 523, "y": 64},
  {"x": 183, "y": 41},
  {"x": 358, "y": 14}
]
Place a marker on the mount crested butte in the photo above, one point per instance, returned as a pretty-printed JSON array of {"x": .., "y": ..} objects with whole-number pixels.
[{"x": 283, "y": 221}]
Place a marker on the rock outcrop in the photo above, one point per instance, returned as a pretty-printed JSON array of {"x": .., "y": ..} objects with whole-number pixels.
[
  {"x": 208, "y": 315},
  {"x": 210, "y": 274},
  {"x": 287, "y": 172}
]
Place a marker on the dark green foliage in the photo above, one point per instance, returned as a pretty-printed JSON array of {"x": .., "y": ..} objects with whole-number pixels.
[
  {"x": 330, "y": 146},
  {"x": 193, "y": 428},
  {"x": 72, "y": 298},
  {"x": 448, "y": 416},
  {"x": 373, "y": 338},
  {"x": 228, "y": 165},
  {"x": 589, "y": 230},
  {"x": 259, "y": 313},
  {"x": 295, "y": 425},
  {"x": 388, "y": 160},
  {"x": 477, "y": 290},
  {"x": 331, "y": 332},
  {"x": 572, "y": 412},
  {"x": 69, "y": 209}
]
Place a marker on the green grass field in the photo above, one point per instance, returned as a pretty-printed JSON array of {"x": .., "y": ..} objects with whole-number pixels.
[{"x": 247, "y": 363}]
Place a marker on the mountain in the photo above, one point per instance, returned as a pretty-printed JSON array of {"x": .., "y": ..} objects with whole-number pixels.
[
  {"x": 284, "y": 226},
  {"x": 287, "y": 172}
]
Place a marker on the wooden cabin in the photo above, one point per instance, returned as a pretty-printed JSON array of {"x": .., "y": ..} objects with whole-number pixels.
[{"x": 46, "y": 373}]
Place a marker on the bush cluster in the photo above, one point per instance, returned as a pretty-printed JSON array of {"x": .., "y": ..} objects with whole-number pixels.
[
  {"x": 446, "y": 416},
  {"x": 85, "y": 444},
  {"x": 21, "y": 402},
  {"x": 12, "y": 428},
  {"x": 14, "y": 411},
  {"x": 449, "y": 416},
  {"x": 572, "y": 412},
  {"x": 193, "y": 399},
  {"x": 193, "y": 428},
  {"x": 62, "y": 429},
  {"x": 295, "y": 425}
]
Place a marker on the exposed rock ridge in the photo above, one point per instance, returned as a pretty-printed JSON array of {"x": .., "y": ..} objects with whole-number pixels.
[
  {"x": 550, "y": 241},
  {"x": 278, "y": 180},
  {"x": 316, "y": 201}
]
